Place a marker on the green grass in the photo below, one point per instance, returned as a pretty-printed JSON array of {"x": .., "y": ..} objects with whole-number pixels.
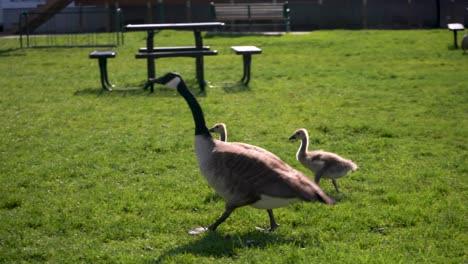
[{"x": 112, "y": 177}]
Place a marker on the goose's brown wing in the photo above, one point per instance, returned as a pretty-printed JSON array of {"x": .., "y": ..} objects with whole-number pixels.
[{"x": 251, "y": 170}]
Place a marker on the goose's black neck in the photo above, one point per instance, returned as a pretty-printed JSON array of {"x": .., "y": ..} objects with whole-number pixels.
[{"x": 198, "y": 118}]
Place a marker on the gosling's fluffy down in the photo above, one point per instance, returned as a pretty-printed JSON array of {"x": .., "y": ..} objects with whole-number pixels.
[{"x": 323, "y": 164}]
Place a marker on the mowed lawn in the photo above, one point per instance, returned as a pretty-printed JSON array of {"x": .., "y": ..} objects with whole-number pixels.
[{"x": 112, "y": 178}]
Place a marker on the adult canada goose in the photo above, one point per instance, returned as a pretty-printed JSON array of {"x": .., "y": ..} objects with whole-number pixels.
[
  {"x": 220, "y": 128},
  {"x": 464, "y": 43},
  {"x": 323, "y": 164},
  {"x": 243, "y": 174}
]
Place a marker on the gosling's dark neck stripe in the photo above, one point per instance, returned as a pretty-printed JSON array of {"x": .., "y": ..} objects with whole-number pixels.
[{"x": 198, "y": 118}]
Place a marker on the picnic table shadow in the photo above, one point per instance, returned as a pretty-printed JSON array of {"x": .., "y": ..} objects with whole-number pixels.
[
  {"x": 129, "y": 90},
  {"x": 12, "y": 52},
  {"x": 241, "y": 34},
  {"x": 219, "y": 245},
  {"x": 161, "y": 91}
]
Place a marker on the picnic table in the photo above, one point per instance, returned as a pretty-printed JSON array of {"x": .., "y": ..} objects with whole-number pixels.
[{"x": 150, "y": 52}]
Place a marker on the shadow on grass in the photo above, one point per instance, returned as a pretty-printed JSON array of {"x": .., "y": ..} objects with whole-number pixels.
[
  {"x": 12, "y": 52},
  {"x": 116, "y": 92},
  {"x": 213, "y": 244},
  {"x": 137, "y": 90},
  {"x": 230, "y": 87},
  {"x": 161, "y": 91},
  {"x": 212, "y": 197},
  {"x": 237, "y": 34}
]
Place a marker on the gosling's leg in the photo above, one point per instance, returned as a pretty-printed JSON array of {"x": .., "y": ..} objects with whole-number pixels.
[{"x": 336, "y": 185}]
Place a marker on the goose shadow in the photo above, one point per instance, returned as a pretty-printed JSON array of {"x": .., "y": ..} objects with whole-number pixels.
[{"x": 216, "y": 245}]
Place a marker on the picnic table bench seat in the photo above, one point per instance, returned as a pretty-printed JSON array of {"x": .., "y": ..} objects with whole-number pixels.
[
  {"x": 246, "y": 52},
  {"x": 183, "y": 53},
  {"x": 455, "y": 27},
  {"x": 186, "y": 53},
  {"x": 169, "y": 49},
  {"x": 102, "y": 57}
]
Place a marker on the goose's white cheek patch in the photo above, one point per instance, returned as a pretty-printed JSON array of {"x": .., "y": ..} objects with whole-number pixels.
[{"x": 173, "y": 83}]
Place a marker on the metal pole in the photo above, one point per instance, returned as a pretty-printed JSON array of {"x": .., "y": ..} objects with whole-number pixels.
[
  {"x": 189, "y": 10},
  {"x": 161, "y": 11},
  {"x": 149, "y": 14},
  {"x": 364, "y": 14},
  {"x": 27, "y": 29},
  {"x": 20, "y": 28}
]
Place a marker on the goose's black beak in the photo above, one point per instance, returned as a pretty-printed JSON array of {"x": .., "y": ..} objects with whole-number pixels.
[{"x": 292, "y": 137}]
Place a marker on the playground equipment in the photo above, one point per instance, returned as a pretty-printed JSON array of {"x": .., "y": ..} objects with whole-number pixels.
[{"x": 74, "y": 27}]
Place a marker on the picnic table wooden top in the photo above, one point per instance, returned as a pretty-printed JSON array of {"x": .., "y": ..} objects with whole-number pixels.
[
  {"x": 455, "y": 26},
  {"x": 176, "y": 26}
]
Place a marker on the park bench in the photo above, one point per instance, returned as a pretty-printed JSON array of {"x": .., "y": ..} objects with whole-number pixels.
[{"x": 252, "y": 14}]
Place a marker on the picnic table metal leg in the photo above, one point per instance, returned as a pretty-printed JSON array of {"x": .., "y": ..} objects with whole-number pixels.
[
  {"x": 103, "y": 73},
  {"x": 106, "y": 76},
  {"x": 199, "y": 61},
  {"x": 247, "y": 62},
  {"x": 200, "y": 73},
  {"x": 150, "y": 61},
  {"x": 244, "y": 75},
  {"x": 455, "y": 39}
]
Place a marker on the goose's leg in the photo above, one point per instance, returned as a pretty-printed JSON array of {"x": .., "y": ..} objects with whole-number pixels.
[
  {"x": 223, "y": 217},
  {"x": 213, "y": 226},
  {"x": 273, "y": 224},
  {"x": 336, "y": 185}
]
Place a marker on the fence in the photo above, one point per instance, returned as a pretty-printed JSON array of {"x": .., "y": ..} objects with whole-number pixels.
[
  {"x": 319, "y": 14},
  {"x": 73, "y": 27}
]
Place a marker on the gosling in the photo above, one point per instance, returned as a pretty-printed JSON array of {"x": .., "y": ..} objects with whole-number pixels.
[{"x": 323, "y": 164}]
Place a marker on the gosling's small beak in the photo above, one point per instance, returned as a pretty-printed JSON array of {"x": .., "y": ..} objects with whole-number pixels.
[
  {"x": 292, "y": 137},
  {"x": 212, "y": 129}
]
